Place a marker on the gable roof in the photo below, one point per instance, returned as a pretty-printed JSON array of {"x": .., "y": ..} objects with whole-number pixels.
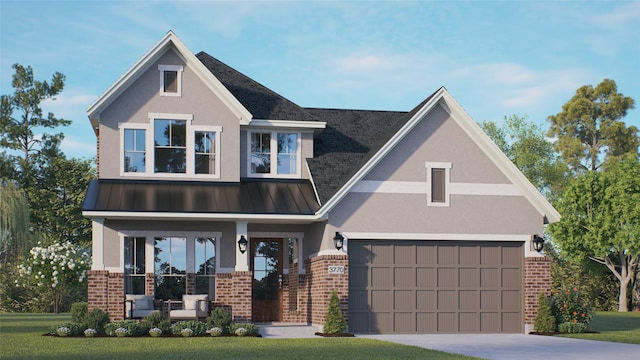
[
  {"x": 169, "y": 42},
  {"x": 338, "y": 188},
  {"x": 262, "y": 102}
]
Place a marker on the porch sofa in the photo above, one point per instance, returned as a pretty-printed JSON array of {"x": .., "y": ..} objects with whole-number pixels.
[
  {"x": 193, "y": 307},
  {"x": 138, "y": 306}
]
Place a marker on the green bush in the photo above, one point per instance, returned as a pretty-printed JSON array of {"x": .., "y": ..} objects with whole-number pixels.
[
  {"x": 250, "y": 329},
  {"x": 134, "y": 328},
  {"x": 75, "y": 328},
  {"x": 157, "y": 320},
  {"x": 96, "y": 319},
  {"x": 79, "y": 311},
  {"x": 545, "y": 321},
  {"x": 221, "y": 318},
  {"x": 572, "y": 327},
  {"x": 334, "y": 323},
  {"x": 198, "y": 327},
  {"x": 571, "y": 306}
]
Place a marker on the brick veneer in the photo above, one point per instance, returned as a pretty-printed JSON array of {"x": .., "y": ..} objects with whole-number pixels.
[
  {"x": 233, "y": 291},
  {"x": 537, "y": 279},
  {"x": 97, "y": 285},
  {"x": 319, "y": 285}
]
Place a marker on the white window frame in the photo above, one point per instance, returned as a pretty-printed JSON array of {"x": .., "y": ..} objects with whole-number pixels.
[
  {"x": 178, "y": 69},
  {"x": 447, "y": 182},
  {"x": 134, "y": 126},
  {"x": 274, "y": 154},
  {"x": 191, "y": 151}
]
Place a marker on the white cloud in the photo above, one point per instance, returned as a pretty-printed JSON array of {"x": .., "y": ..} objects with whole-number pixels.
[{"x": 73, "y": 147}]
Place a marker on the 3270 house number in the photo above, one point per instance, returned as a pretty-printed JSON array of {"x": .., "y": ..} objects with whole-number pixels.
[{"x": 336, "y": 270}]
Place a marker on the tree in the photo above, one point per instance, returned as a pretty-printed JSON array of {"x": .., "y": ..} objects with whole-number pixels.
[
  {"x": 601, "y": 220},
  {"x": 334, "y": 322},
  {"x": 589, "y": 129},
  {"x": 14, "y": 222},
  {"x": 524, "y": 143}
]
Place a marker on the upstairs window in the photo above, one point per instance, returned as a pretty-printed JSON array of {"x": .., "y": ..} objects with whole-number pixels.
[
  {"x": 205, "y": 152},
  {"x": 134, "y": 150},
  {"x": 170, "y": 146},
  {"x": 279, "y": 148},
  {"x": 170, "y": 80},
  {"x": 438, "y": 183}
]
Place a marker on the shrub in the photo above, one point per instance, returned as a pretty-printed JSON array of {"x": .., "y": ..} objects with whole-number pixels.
[
  {"x": 219, "y": 318},
  {"x": 572, "y": 327},
  {"x": 74, "y": 328},
  {"x": 214, "y": 331},
  {"x": 155, "y": 332},
  {"x": 545, "y": 321},
  {"x": 571, "y": 306},
  {"x": 122, "y": 332},
  {"x": 157, "y": 320},
  {"x": 134, "y": 328},
  {"x": 198, "y": 328},
  {"x": 79, "y": 311},
  {"x": 90, "y": 332},
  {"x": 96, "y": 319},
  {"x": 249, "y": 329},
  {"x": 334, "y": 323}
]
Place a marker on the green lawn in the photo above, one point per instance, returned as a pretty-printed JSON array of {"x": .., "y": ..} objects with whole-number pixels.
[
  {"x": 613, "y": 326},
  {"x": 21, "y": 338}
]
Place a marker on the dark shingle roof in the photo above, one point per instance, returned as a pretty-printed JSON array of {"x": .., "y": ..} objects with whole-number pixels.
[{"x": 262, "y": 102}]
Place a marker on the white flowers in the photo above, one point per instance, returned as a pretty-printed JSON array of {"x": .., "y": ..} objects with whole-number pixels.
[
  {"x": 122, "y": 332},
  {"x": 186, "y": 332},
  {"x": 90, "y": 332},
  {"x": 155, "y": 332},
  {"x": 54, "y": 265},
  {"x": 214, "y": 331},
  {"x": 63, "y": 331}
]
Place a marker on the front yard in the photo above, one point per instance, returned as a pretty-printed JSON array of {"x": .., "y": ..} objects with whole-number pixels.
[
  {"x": 613, "y": 326},
  {"x": 21, "y": 338}
]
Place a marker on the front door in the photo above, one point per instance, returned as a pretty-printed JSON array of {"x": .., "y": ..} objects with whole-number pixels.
[{"x": 266, "y": 263}]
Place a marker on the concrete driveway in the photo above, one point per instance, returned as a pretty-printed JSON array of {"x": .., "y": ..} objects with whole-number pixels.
[{"x": 517, "y": 346}]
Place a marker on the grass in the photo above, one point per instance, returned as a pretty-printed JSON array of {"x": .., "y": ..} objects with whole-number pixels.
[
  {"x": 21, "y": 338},
  {"x": 613, "y": 326}
]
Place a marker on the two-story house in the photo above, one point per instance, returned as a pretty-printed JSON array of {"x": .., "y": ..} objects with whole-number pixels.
[{"x": 210, "y": 183}]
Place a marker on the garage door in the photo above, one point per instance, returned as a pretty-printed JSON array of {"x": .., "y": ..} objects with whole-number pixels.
[{"x": 435, "y": 287}]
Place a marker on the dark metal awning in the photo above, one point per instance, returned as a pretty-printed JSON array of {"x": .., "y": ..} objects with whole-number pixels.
[{"x": 248, "y": 197}]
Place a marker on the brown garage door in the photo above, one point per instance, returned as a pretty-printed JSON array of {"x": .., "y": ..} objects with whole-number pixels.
[{"x": 435, "y": 287}]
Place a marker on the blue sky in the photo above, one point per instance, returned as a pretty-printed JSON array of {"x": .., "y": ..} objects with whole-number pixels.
[{"x": 496, "y": 58}]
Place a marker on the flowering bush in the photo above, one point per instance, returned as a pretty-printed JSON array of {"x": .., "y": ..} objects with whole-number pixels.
[
  {"x": 155, "y": 332},
  {"x": 121, "y": 332},
  {"x": 572, "y": 306},
  {"x": 63, "y": 331},
  {"x": 241, "y": 331},
  {"x": 133, "y": 327},
  {"x": 186, "y": 332},
  {"x": 214, "y": 331},
  {"x": 197, "y": 327},
  {"x": 90, "y": 332},
  {"x": 52, "y": 268},
  {"x": 572, "y": 327}
]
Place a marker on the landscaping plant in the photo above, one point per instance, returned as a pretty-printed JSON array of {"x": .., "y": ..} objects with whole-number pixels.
[
  {"x": 157, "y": 320},
  {"x": 220, "y": 318},
  {"x": 571, "y": 306},
  {"x": 545, "y": 321},
  {"x": 249, "y": 329},
  {"x": 197, "y": 327},
  {"x": 334, "y": 323},
  {"x": 132, "y": 327}
]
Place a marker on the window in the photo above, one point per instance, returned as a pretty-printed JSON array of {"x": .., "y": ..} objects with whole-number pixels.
[
  {"x": 438, "y": 183},
  {"x": 286, "y": 157},
  {"x": 170, "y": 80},
  {"x": 134, "y": 269},
  {"x": 205, "y": 266},
  {"x": 134, "y": 150},
  {"x": 170, "y": 267},
  {"x": 205, "y": 152},
  {"x": 170, "y": 143}
]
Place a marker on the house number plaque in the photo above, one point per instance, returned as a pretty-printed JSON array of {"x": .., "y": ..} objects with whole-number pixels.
[{"x": 336, "y": 270}]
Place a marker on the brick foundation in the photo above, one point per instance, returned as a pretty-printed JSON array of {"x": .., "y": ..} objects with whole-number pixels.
[{"x": 537, "y": 279}]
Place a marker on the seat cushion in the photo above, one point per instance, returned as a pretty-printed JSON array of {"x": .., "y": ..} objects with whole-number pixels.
[
  {"x": 138, "y": 302},
  {"x": 196, "y": 302}
]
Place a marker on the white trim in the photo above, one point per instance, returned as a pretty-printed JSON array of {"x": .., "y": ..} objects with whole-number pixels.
[
  {"x": 267, "y": 218},
  {"x": 274, "y": 155},
  {"x": 242, "y": 259},
  {"x": 168, "y": 42},
  {"x": 422, "y": 188},
  {"x": 298, "y": 236},
  {"x": 178, "y": 69},
  {"x": 352, "y": 235},
  {"x": 97, "y": 244},
  {"x": 170, "y": 116},
  {"x": 148, "y": 139},
  {"x": 447, "y": 181},
  {"x": 191, "y": 145},
  {"x": 292, "y": 124}
]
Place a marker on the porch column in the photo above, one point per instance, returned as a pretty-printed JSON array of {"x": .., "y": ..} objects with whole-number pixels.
[
  {"x": 97, "y": 247},
  {"x": 242, "y": 260}
]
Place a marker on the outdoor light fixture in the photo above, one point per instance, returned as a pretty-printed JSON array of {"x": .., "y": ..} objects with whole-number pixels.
[
  {"x": 242, "y": 244},
  {"x": 538, "y": 243},
  {"x": 338, "y": 240}
]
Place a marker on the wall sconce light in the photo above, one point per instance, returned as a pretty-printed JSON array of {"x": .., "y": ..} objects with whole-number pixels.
[
  {"x": 538, "y": 243},
  {"x": 242, "y": 244},
  {"x": 338, "y": 240}
]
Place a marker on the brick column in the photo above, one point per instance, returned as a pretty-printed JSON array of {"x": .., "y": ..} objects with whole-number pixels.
[
  {"x": 191, "y": 283},
  {"x": 115, "y": 303},
  {"x": 233, "y": 292},
  {"x": 320, "y": 284},
  {"x": 98, "y": 289},
  {"x": 537, "y": 279}
]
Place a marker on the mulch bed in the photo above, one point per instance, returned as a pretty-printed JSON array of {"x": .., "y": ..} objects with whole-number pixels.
[
  {"x": 149, "y": 336},
  {"x": 334, "y": 335}
]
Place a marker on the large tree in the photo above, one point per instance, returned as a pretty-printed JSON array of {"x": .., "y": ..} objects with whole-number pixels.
[
  {"x": 524, "y": 143},
  {"x": 601, "y": 220},
  {"x": 589, "y": 129}
]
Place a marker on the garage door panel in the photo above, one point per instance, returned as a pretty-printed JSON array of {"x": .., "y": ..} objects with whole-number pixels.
[{"x": 435, "y": 286}]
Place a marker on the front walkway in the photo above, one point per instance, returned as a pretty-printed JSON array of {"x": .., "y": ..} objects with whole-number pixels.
[{"x": 289, "y": 330}]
